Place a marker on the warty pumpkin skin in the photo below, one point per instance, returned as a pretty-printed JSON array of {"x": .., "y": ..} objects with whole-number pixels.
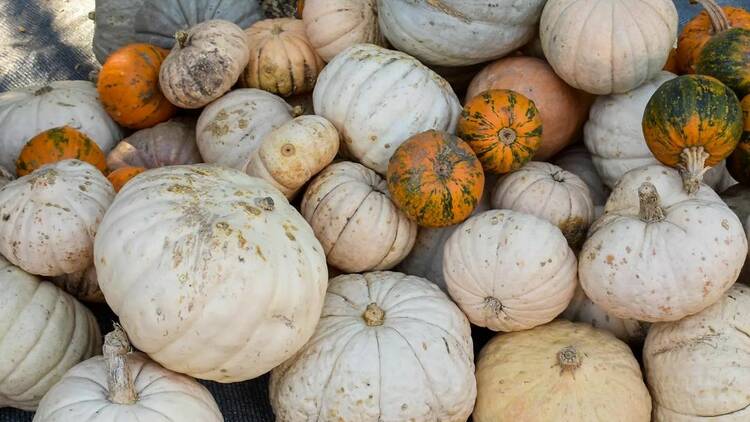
[
  {"x": 739, "y": 162},
  {"x": 332, "y": 26},
  {"x": 726, "y": 57},
  {"x": 435, "y": 178},
  {"x": 59, "y": 144},
  {"x": 171, "y": 143},
  {"x": 113, "y": 26},
  {"x": 121, "y": 176}
]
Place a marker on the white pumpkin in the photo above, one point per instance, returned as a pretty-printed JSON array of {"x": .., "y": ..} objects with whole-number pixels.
[
  {"x": 577, "y": 160},
  {"x": 659, "y": 254},
  {"x": 698, "y": 368},
  {"x": 332, "y": 26},
  {"x": 232, "y": 127},
  {"x": 26, "y": 112},
  {"x": 509, "y": 271},
  {"x": 378, "y": 98},
  {"x": 582, "y": 309},
  {"x": 125, "y": 386},
  {"x": 351, "y": 212},
  {"x": 43, "y": 333},
  {"x": 48, "y": 218},
  {"x": 229, "y": 277},
  {"x": 389, "y": 347},
  {"x": 458, "y": 32}
]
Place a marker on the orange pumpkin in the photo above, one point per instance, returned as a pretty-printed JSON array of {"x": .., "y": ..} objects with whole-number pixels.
[
  {"x": 435, "y": 178},
  {"x": 672, "y": 65},
  {"x": 129, "y": 89},
  {"x": 503, "y": 128},
  {"x": 58, "y": 144},
  {"x": 121, "y": 176}
]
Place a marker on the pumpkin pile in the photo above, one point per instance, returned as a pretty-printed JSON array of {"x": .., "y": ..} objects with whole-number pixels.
[{"x": 308, "y": 196}]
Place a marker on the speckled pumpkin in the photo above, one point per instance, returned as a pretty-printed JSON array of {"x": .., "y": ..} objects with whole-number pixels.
[
  {"x": 692, "y": 122},
  {"x": 503, "y": 128},
  {"x": 726, "y": 57},
  {"x": 59, "y": 144},
  {"x": 121, "y": 176},
  {"x": 738, "y": 163},
  {"x": 435, "y": 178}
]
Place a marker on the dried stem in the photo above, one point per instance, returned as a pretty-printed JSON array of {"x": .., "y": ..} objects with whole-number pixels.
[{"x": 119, "y": 381}]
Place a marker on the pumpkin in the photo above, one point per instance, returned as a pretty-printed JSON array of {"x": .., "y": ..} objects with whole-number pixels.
[
  {"x": 113, "y": 26},
  {"x": 295, "y": 152},
  {"x": 128, "y": 86},
  {"x": 672, "y": 65},
  {"x": 127, "y": 386},
  {"x": 509, "y": 271},
  {"x": 697, "y": 368},
  {"x": 281, "y": 59},
  {"x": 222, "y": 234},
  {"x": 230, "y": 129},
  {"x": 563, "y": 109},
  {"x": 582, "y": 309},
  {"x": 631, "y": 266},
  {"x": 48, "y": 218},
  {"x": 332, "y": 26},
  {"x": 389, "y": 347},
  {"x": 594, "y": 51},
  {"x": 83, "y": 285},
  {"x": 726, "y": 57},
  {"x": 386, "y": 97},
  {"x": 5, "y": 177},
  {"x": 560, "y": 372},
  {"x": 121, "y": 176},
  {"x": 435, "y": 178},
  {"x": 171, "y": 143},
  {"x": 26, "y": 112},
  {"x": 738, "y": 163},
  {"x": 59, "y": 144},
  {"x": 204, "y": 64},
  {"x": 692, "y": 122},
  {"x": 577, "y": 160},
  {"x": 360, "y": 228},
  {"x": 45, "y": 332},
  {"x": 551, "y": 193},
  {"x": 503, "y": 128},
  {"x": 456, "y": 32},
  {"x": 737, "y": 199}
]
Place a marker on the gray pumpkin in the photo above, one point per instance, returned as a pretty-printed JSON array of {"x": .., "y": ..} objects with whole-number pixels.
[{"x": 113, "y": 26}]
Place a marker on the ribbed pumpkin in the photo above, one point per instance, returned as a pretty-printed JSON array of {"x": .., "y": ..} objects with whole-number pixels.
[
  {"x": 738, "y": 163},
  {"x": 129, "y": 89},
  {"x": 61, "y": 143},
  {"x": 119, "y": 177},
  {"x": 435, "y": 178},
  {"x": 503, "y": 128},
  {"x": 726, "y": 57},
  {"x": 692, "y": 122}
]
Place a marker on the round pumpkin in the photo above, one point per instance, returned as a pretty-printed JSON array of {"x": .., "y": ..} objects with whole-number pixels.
[
  {"x": 121, "y": 176},
  {"x": 726, "y": 57},
  {"x": 503, "y": 128},
  {"x": 128, "y": 86},
  {"x": 608, "y": 47},
  {"x": 171, "y": 143},
  {"x": 389, "y": 347},
  {"x": 560, "y": 372},
  {"x": 57, "y": 144},
  {"x": 692, "y": 122},
  {"x": 435, "y": 178},
  {"x": 738, "y": 163},
  {"x": 113, "y": 26},
  {"x": 83, "y": 285},
  {"x": 577, "y": 160},
  {"x": 582, "y": 309}
]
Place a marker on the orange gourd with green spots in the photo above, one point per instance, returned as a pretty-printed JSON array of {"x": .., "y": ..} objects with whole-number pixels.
[
  {"x": 739, "y": 162},
  {"x": 435, "y": 178},
  {"x": 58, "y": 144},
  {"x": 726, "y": 57},
  {"x": 121, "y": 176},
  {"x": 503, "y": 127}
]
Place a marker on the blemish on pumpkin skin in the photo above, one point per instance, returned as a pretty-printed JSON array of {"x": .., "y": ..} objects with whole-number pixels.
[{"x": 259, "y": 252}]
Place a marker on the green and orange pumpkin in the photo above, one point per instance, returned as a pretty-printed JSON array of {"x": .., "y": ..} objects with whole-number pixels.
[
  {"x": 435, "y": 178},
  {"x": 121, "y": 176},
  {"x": 726, "y": 57},
  {"x": 58, "y": 144},
  {"x": 503, "y": 127},
  {"x": 738, "y": 163}
]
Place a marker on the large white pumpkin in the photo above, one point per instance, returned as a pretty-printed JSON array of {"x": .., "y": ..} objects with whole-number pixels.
[
  {"x": 389, "y": 347},
  {"x": 49, "y": 217},
  {"x": 212, "y": 273},
  {"x": 378, "y": 98},
  {"x": 26, "y": 112},
  {"x": 582, "y": 309},
  {"x": 458, "y": 32},
  {"x": 332, "y": 26}
]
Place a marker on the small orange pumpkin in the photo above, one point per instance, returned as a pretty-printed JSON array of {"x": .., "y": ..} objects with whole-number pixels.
[
  {"x": 129, "y": 89},
  {"x": 58, "y": 144},
  {"x": 435, "y": 178},
  {"x": 672, "y": 65},
  {"x": 121, "y": 176}
]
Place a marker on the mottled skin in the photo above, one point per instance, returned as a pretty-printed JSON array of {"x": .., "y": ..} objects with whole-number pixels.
[
  {"x": 738, "y": 163},
  {"x": 59, "y": 144},
  {"x": 726, "y": 57}
]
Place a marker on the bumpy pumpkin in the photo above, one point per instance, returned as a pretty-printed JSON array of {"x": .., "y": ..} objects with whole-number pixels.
[
  {"x": 692, "y": 122},
  {"x": 121, "y": 176},
  {"x": 582, "y": 309},
  {"x": 435, "y": 178},
  {"x": 388, "y": 347},
  {"x": 738, "y": 163},
  {"x": 577, "y": 160},
  {"x": 503, "y": 128},
  {"x": 83, "y": 285},
  {"x": 726, "y": 57},
  {"x": 171, "y": 143},
  {"x": 57, "y": 144},
  {"x": 113, "y": 26},
  {"x": 332, "y": 26}
]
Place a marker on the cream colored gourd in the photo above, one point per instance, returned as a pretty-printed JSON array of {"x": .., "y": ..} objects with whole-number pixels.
[
  {"x": 48, "y": 218},
  {"x": 582, "y": 309},
  {"x": 659, "y": 254},
  {"x": 169, "y": 143},
  {"x": 332, "y": 26},
  {"x": 26, "y": 112},
  {"x": 562, "y": 372},
  {"x": 386, "y": 97},
  {"x": 698, "y": 368},
  {"x": 457, "y": 32},
  {"x": 43, "y": 333},
  {"x": 204, "y": 63},
  {"x": 509, "y": 271},
  {"x": 230, "y": 129},
  {"x": 577, "y": 160},
  {"x": 351, "y": 212},
  {"x": 230, "y": 278},
  {"x": 389, "y": 347},
  {"x": 608, "y": 47},
  {"x": 83, "y": 285},
  {"x": 550, "y": 193},
  {"x": 126, "y": 386},
  {"x": 295, "y": 152}
]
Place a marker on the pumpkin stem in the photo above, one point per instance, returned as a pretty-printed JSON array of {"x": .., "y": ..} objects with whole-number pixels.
[
  {"x": 297, "y": 111},
  {"x": 119, "y": 381},
  {"x": 373, "y": 316},
  {"x": 507, "y": 136},
  {"x": 692, "y": 167},
  {"x": 92, "y": 15},
  {"x": 650, "y": 209},
  {"x": 493, "y": 304},
  {"x": 182, "y": 38},
  {"x": 568, "y": 359},
  {"x": 719, "y": 20}
]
